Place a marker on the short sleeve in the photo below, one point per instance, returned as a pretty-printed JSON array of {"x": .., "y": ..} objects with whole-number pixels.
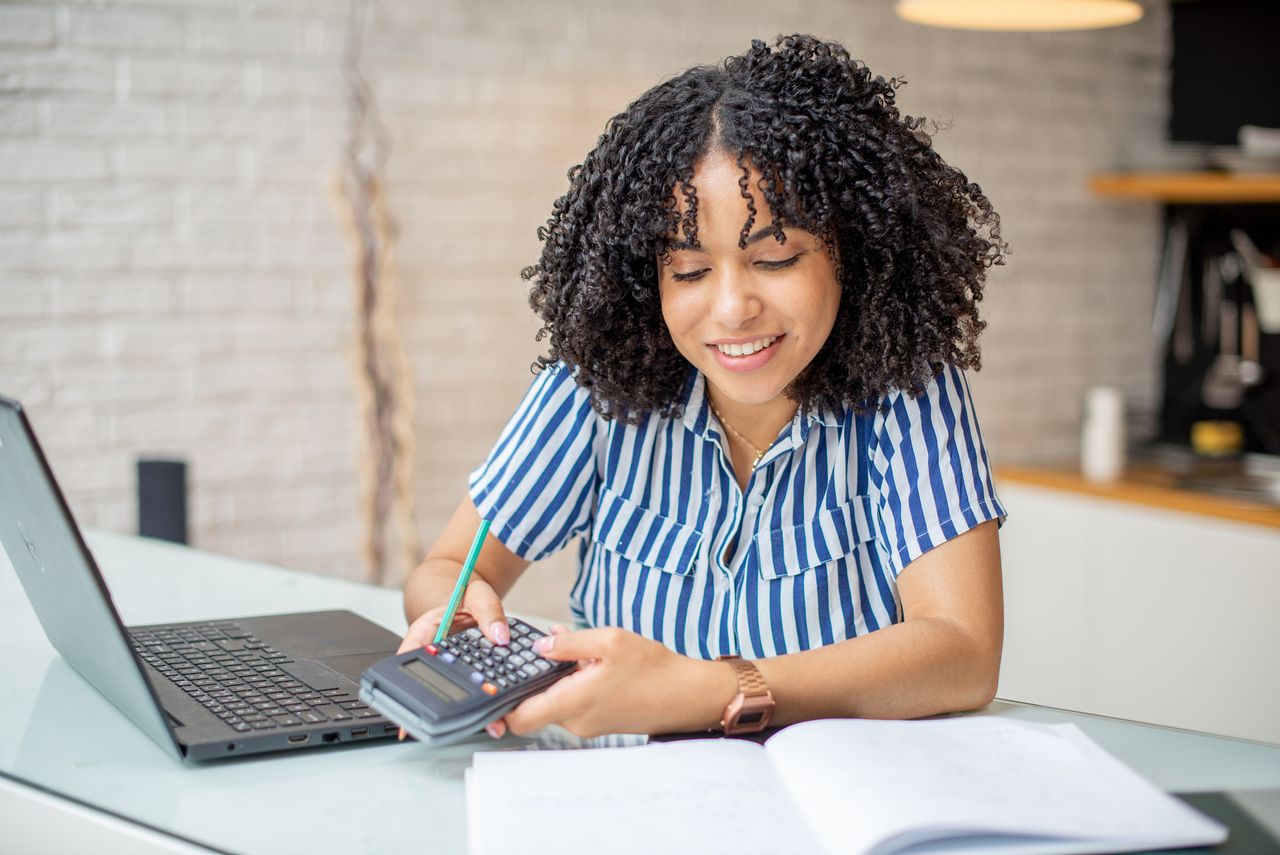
[
  {"x": 536, "y": 487},
  {"x": 934, "y": 478}
]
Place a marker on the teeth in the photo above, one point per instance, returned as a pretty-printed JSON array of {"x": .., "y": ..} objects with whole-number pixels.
[{"x": 748, "y": 348}]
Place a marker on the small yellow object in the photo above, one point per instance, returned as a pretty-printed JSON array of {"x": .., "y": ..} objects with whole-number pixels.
[{"x": 1217, "y": 438}]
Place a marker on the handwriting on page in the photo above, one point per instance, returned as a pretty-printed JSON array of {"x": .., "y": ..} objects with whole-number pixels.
[{"x": 710, "y": 799}]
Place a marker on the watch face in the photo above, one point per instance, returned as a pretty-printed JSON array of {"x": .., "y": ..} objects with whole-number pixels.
[{"x": 750, "y": 717}]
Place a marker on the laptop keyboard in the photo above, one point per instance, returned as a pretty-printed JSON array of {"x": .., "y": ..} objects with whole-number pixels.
[{"x": 238, "y": 678}]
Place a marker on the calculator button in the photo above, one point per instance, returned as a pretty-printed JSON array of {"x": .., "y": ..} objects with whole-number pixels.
[
  {"x": 528, "y": 656},
  {"x": 502, "y": 683},
  {"x": 448, "y": 657},
  {"x": 472, "y": 633},
  {"x": 431, "y": 648},
  {"x": 486, "y": 644},
  {"x": 477, "y": 677},
  {"x": 491, "y": 674},
  {"x": 542, "y": 665},
  {"x": 490, "y": 689},
  {"x": 466, "y": 657},
  {"x": 530, "y": 670},
  {"x": 501, "y": 652}
]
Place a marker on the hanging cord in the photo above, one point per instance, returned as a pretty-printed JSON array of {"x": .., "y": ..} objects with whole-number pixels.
[{"x": 384, "y": 382}]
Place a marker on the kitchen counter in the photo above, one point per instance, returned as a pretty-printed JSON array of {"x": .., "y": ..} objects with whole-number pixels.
[{"x": 1149, "y": 485}]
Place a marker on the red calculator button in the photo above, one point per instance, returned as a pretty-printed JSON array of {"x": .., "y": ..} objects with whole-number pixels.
[
  {"x": 490, "y": 689},
  {"x": 431, "y": 648}
]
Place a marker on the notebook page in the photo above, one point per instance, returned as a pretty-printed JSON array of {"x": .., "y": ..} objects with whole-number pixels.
[
  {"x": 862, "y": 783},
  {"x": 700, "y": 796}
]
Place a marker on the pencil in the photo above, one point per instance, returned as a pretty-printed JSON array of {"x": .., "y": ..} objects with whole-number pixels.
[
  {"x": 463, "y": 578},
  {"x": 459, "y": 589}
]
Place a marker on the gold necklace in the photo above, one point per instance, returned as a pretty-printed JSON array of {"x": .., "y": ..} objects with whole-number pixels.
[{"x": 759, "y": 454}]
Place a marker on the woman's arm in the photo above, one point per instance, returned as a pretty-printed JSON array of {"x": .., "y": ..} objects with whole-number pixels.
[
  {"x": 943, "y": 657},
  {"x": 428, "y": 588}
]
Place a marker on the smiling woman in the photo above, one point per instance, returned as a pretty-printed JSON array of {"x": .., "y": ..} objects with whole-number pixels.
[{"x": 761, "y": 296}]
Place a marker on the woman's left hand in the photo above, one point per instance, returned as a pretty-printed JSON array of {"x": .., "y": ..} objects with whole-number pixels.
[{"x": 625, "y": 683}]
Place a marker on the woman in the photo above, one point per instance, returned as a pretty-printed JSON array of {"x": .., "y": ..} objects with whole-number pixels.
[{"x": 760, "y": 292}]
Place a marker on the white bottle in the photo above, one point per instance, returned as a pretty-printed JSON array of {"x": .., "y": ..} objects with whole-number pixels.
[{"x": 1102, "y": 447}]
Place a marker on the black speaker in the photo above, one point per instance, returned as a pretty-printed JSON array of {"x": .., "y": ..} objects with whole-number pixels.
[{"x": 162, "y": 499}]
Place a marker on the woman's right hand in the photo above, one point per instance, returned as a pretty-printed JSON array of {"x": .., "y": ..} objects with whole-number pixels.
[{"x": 481, "y": 606}]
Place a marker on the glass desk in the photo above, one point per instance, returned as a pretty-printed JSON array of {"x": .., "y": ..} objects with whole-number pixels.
[{"x": 59, "y": 735}]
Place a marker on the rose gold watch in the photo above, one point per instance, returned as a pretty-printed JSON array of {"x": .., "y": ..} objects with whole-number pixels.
[{"x": 752, "y": 708}]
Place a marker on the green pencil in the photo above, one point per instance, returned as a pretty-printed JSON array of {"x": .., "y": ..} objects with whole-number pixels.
[{"x": 463, "y": 578}]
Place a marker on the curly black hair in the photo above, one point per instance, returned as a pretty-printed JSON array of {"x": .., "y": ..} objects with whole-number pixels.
[{"x": 911, "y": 235}]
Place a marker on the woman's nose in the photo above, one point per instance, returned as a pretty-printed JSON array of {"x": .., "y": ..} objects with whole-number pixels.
[{"x": 735, "y": 302}]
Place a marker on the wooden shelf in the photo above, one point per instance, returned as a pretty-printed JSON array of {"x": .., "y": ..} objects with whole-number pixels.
[
  {"x": 1145, "y": 486},
  {"x": 1189, "y": 187}
]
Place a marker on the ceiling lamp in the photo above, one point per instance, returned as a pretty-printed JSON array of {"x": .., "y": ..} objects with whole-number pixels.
[{"x": 1020, "y": 14}]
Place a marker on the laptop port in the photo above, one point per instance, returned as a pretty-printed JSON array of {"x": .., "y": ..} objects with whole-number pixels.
[
  {"x": 331, "y": 736},
  {"x": 359, "y": 731},
  {"x": 390, "y": 728},
  {"x": 300, "y": 738}
]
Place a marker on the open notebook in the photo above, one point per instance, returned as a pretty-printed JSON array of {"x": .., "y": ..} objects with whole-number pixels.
[{"x": 975, "y": 784}]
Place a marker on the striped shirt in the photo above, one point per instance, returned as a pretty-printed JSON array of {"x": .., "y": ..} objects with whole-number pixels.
[{"x": 673, "y": 549}]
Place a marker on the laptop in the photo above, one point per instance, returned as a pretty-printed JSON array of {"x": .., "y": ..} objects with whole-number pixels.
[{"x": 202, "y": 690}]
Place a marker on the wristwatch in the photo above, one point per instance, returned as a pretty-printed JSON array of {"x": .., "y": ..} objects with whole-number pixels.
[{"x": 752, "y": 708}]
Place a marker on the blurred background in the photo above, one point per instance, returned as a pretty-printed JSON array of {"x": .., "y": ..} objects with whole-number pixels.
[{"x": 180, "y": 274}]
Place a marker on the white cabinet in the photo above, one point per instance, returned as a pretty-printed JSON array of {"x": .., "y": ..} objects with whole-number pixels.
[{"x": 1141, "y": 613}]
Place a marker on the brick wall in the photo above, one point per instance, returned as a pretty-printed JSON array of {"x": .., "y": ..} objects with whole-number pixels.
[{"x": 173, "y": 279}]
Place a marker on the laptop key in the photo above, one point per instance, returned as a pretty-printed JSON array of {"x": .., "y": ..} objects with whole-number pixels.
[
  {"x": 311, "y": 717},
  {"x": 287, "y": 720},
  {"x": 333, "y": 713},
  {"x": 241, "y": 727},
  {"x": 262, "y": 725}
]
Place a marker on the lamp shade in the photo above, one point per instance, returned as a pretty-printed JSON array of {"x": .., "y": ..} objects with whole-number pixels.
[{"x": 1020, "y": 15}]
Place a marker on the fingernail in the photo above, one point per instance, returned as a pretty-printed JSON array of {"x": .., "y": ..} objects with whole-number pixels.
[
  {"x": 544, "y": 644},
  {"x": 498, "y": 629},
  {"x": 402, "y": 734},
  {"x": 492, "y": 727}
]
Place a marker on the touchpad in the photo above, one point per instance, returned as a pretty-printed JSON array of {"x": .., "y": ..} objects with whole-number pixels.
[{"x": 354, "y": 665}]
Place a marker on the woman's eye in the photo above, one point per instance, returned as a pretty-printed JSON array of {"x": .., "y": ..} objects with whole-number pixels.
[
  {"x": 778, "y": 265},
  {"x": 688, "y": 277}
]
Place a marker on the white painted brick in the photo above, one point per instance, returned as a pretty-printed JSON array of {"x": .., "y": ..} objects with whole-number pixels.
[
  {"x": 30, "y": 26},
  {"x": 60, "y": 251},
  {"x": 72, "y": 119},
  {"x": 22, "y": 207},
  {"x": 24, "y": 298},
  {"x": 202, "y": 120},
  {"x": 17, "y": 117},
  {"x": 31, "y": 72},
  {"x": 176, "y": 162},
  {"x": 241, "y": 35},
  {"x": 99, "y": 296},
  {"x": 116, "y": 206},
  {"x": 23, "y": 161},
  {"x": 121, "y": 28},
  {"x": 187, "y": 77}
]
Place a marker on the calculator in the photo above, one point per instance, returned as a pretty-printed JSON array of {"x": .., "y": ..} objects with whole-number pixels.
[{"x": 444, "y": 692}]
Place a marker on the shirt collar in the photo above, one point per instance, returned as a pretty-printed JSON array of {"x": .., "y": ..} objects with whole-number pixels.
[{"x": 697, "y": 411}]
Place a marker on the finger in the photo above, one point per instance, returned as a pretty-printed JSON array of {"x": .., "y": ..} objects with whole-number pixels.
[
  {"x": 402, "y": 735},
  {"x": 559, "y": 629},
  {"x": 561, "y": 700},
  {"x": 485, "y": 605},
  {"x": 496, "y": 728},
  {"x": 583, "y": 644}
]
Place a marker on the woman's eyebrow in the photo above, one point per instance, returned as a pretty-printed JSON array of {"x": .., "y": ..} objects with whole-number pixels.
[{"x": 759, "y": 235}]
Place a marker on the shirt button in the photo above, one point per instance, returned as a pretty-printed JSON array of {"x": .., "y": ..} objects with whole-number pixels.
[{"x": 756, "y": 500}]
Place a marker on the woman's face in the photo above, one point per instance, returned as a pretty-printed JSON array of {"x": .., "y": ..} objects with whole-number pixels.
[{"x": 750, "y": 319}]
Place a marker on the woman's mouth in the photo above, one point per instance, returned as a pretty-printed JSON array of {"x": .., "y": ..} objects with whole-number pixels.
[{"x": 747, "y": 356}]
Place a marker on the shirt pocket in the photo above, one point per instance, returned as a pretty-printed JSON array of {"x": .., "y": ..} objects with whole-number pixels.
[
  {"x": 644, "y": 536},
  {"x": 832, "y": 534}
]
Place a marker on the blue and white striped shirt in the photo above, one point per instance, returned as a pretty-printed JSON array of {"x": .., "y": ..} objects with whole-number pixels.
[{"x": 836, "y": 508}]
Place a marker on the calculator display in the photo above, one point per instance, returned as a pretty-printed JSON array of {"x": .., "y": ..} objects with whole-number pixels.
[{"x": 434, "y": 680}]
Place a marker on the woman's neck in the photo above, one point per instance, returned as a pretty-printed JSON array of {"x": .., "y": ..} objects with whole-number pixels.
[{"x": 759, "y": 423}]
